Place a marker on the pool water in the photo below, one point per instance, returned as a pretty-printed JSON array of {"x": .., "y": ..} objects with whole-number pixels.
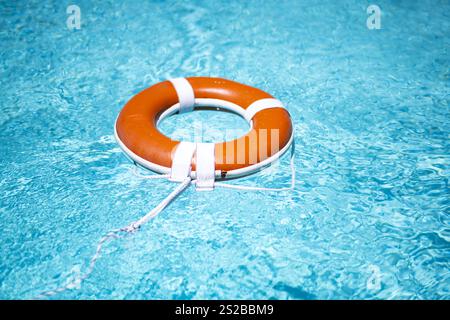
[{"x": 369, "y": 217}]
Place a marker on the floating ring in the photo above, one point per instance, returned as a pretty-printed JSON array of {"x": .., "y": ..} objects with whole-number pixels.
[{"x": 137, "y": 133}]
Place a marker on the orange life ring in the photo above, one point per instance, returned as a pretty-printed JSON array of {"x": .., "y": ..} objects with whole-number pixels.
[{"x": 137, "y": 133}]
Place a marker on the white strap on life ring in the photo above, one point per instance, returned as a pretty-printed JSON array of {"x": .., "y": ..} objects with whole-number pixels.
[
  {"x": 181, "y": 162},
  {"x": 261, "y": 104},
  {"x": 205, "y": 167},
  {"x": 185, "y": 94}
]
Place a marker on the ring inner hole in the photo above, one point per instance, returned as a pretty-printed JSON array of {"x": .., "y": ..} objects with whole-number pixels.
[{"x": 205, "y": 124}]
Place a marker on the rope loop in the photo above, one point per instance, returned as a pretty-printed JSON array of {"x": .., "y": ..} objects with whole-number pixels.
[{"x": 136, "y": 225}]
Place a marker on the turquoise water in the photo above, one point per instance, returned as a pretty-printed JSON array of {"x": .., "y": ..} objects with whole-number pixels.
[{"x": 369, "y": 217}]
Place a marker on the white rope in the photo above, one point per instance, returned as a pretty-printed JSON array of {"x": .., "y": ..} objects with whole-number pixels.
[
  {"x": 251, "y": 188},
  {"x": 154, "y": 212},
  {"x": 77, "y": 281},
  {"x": 132, "y": 227}
]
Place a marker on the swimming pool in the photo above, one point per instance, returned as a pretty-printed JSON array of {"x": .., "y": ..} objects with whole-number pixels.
[{"x": 369, "y": 217}]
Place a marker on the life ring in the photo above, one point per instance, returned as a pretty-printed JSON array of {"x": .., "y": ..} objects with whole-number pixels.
[{"x": 137, "y": 133}]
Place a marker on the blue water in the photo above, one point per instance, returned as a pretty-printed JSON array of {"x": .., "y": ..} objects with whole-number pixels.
[{"x": 369, "y": 217}]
